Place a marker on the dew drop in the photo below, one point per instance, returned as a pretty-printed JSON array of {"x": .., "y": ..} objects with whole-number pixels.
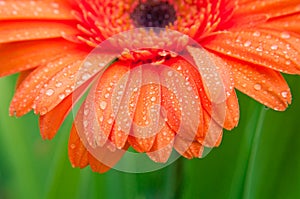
[
  {"x": 49, "y": 92},
  {"x": 247, "y": 43},
  {"x": 256, "y": 34},
  {"x": 285, "y": 35},
  {"x": 274, "y": 47},
  {"x": 58, "y": 84},
  {"x": 103, "y": 105},
  {"x": 284, "y": 94},
  {"x": 73, "y": 146},
  {"x": 153, "y": 99},
  {"x": 61, "y": 96},
  {"x": 257, "y": 87}
]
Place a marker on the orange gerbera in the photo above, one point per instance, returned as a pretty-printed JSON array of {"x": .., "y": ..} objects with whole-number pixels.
[{"x": 51, "y": 44}]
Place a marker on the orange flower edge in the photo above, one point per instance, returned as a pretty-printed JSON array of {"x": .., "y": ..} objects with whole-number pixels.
[{"x": 250, "y": 42}]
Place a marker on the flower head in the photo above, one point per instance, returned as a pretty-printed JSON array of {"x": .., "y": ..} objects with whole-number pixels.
[{"x": 162, "y": 74}]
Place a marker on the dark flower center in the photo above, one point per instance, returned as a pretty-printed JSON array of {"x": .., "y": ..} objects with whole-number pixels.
[{"x": 153, "y": 13}]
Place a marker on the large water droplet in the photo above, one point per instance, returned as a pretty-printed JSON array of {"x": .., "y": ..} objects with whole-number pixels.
[{"x": 257, "y": 87}]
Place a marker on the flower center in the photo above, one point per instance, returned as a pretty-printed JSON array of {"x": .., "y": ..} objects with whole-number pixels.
[{"x": 153, "y": 13}]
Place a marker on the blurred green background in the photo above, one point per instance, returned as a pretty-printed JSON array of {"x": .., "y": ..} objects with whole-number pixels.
[{"x": 258, "y": 159}]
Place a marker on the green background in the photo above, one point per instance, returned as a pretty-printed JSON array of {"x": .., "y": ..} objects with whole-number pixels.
[{"x": 258, "y": 159}]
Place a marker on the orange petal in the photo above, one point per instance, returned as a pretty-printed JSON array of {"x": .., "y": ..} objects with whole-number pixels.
[
  {"x": 264, "y": 85},
  {"x": 80, "y": 157},
  {"x": 147, "y": 111},
  {"x": 188, "y": 149},
  {"x": 51, "y": 121},
  {"x": 78, "y": 154},
  {"x": 272, "y": 8},
  {"x": 163, "y": 144},
  {"x": 31, "y": 30},
  {"x": 29, "y": 89},
  {"x": 22, "y": 76},
  {"x": 69, "y": 78},
  {"x": 16, "y": 9},
  {"x": 16, "y": 57},
  {"x": 181, "y": 94},
  {"x": 268, "y": 48},
  {"x": 212, "y": 131},
  {"x": 290, "y": 23},
  {"x": 232, "y": 112},
  {"x": 108, "y": 96}
]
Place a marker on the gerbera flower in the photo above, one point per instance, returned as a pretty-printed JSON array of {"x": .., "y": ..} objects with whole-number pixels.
[{"x": 48, "y": 42}]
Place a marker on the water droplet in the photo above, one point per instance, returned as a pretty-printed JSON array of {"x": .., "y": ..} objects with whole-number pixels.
[
  {"x": 170, "y": 73},
  {"x": 61, "y": 96},
  {"x": 257, "y": 87},
  {"x": 103, "y": 105},
  {"x": 256, "y": 34},
  {"x": 58, "y": 84},
  {"x": 284, "y": 94},
  {"x": 274, "y": 47},
  {"x": 153, "y": 99},
  {"x": 49, "y": 92},
  {"x": 110, "y": 121},
  {"x": 73, "y": 146},
  {"x": 85, "y": 123},
  {"x": 285, "y": 35},
  {"x": 247, "y": 43}
]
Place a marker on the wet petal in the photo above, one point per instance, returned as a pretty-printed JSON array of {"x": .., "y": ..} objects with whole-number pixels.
[
  {"x": 163, "y": 144},
  {"x": 16, "y": 57},
  {"x": 188, "y": 149},
  {"x": 29, "y": 89},
  {"x": 30, "y": 30},
  {"x": 51, "y": 121},
  {"x": 264, "y": 85},
  {"x": 272, "y": 8},
  {"x": 108, "y": 95},
  {"x": 68, "y": 79},
  {"x": 232, "y": 111},
  {"x": 290, "y": 23},
  {"x": 268, "y": 48},
  {"x": 15, "y": 9},
  {"x": 147, "y": 111},
  {"x": 185, "y": 102}
]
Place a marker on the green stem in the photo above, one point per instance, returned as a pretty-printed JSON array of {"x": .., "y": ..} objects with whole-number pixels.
[
  {"x": 242, "y": 182},
  {"x": 249, "y": 181}
]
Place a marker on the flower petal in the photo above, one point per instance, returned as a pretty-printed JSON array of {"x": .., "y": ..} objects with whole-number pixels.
[
  {"x": 69, "y": 78},
  {"x": 16, "y": 57},
  {"x": 272, "y": 8},
  {"x": 108, "y": 96},
  {"x": 147, "y": 111},
  {"x": 290, "y": 23},
  {"x": 269, "y": 48},
  {"x": 30, "y": 30},
  {"x": 15, "y": 9},
  {"x": 163, "y": 144},
  {"x": 185, "y": 102},
  {"x": 80, "y": 157},
  {"x": 232, "y": 111},
  {"x": 29, "y": 89},
  {"x": 264, "y": 85},
  {"x": 52, "y": 120},
  {"x": 188, "y": 149}
]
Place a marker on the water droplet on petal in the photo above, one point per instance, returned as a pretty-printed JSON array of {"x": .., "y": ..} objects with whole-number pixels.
[
  {"x": 247, "y": 43},
  {"x": 285, "y": 35},
  {"x": 49, "y": 92},
  {"x": 274, "y": 47},
  {"x": 257, "y": 87},
  {"x": 103, "y": 105},
  {"x": 284, "y": 94}
]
